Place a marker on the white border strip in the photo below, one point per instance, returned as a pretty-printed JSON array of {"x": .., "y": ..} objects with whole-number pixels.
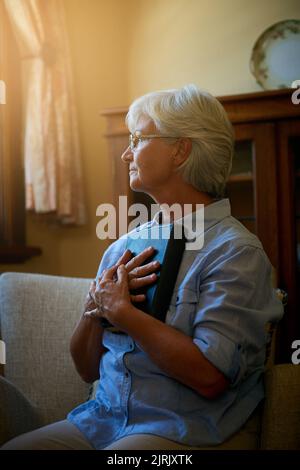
[{"x": 2, "y": 352}]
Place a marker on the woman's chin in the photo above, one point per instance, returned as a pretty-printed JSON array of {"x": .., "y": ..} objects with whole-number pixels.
[
  {"x": 135, "y": 186},
  {"x": 135, "y": 183}
]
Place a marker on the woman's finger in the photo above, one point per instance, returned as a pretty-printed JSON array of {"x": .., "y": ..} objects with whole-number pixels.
[
  {"x": 126, "y": 256},
  {"x": 108, "y": 274},
  {"x": 89, "y": 300},
  {"x": 137, "y": 283},
  {"x": 92, "y": 286},
  {"x": 122, "y": 260},
  {"x": 91, "y": 289},
  {"x": 139, "y": 259},
  {"x": 138, "y": 298},
  {"x": 122, "y": 274},
  {"x": 142, "y": 271}
]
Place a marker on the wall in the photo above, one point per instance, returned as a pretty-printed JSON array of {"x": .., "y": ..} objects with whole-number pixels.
[
  {"x": 207, "y": 42},
  {"x": 124, "y": 48}
]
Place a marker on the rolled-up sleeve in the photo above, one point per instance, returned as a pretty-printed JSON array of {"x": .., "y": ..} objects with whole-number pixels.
[{"x": 236, "y": 301}]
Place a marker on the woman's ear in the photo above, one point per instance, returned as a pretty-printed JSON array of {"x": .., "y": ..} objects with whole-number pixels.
[{"x": 182, "y": 151}]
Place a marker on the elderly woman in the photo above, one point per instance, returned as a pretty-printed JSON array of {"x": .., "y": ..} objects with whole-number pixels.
[{"x": 195, "y": 379}]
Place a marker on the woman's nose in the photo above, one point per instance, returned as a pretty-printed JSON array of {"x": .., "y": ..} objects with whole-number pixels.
[{"x": 127, "y": 155}]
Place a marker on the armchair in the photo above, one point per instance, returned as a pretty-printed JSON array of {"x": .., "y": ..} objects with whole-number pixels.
[{"x": 37, "y": 316}]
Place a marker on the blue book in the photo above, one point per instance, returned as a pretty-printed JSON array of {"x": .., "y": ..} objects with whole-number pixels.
[{"x": 168, "y": 251}]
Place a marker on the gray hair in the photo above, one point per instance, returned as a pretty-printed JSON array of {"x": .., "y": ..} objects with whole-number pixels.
[{"x": 196, "y": 114}]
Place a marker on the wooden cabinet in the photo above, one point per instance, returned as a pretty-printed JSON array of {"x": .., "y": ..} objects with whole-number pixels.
[{"x": 263, "y": 188}]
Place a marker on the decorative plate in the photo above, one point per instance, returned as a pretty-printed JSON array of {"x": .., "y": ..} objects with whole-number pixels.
[{"x": 275, "y": 59}]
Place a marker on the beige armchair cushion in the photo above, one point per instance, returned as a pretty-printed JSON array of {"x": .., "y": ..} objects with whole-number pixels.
[{"x": 281, "y": 417}]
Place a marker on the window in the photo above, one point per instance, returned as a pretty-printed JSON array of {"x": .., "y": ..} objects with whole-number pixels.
[{"x": 13, "y": 247}]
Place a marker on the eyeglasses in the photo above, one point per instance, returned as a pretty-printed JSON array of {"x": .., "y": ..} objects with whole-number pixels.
[{"x": 136, "y": 138}]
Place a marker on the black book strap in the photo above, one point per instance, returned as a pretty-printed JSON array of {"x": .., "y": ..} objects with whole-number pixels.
[{"x": 168, "y": 275}]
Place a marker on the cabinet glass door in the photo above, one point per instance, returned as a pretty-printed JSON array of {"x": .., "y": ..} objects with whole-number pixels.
[
  {"x": 289, "y": 203},
  {"x": 251, "y": 187},
  {"x": 295, "y": 150},
  {"x": 240, "y": 187}
]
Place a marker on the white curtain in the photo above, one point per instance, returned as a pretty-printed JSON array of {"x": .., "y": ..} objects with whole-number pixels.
[{"x": 51, "y": 146}]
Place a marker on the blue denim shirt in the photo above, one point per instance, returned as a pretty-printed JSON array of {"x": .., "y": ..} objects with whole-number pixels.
[{"x": 222, "y": 299}]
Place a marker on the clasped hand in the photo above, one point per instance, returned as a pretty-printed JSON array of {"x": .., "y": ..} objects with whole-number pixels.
[{"x": 111, "y": 296}]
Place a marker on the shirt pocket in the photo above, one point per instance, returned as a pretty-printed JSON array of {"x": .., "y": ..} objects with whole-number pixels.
[{"x": 182, "y": 310}]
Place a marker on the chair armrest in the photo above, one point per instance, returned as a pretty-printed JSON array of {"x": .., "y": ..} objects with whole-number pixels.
[
  {"x": 38, "y": 316},
  {"x": 17, "y": 414},
  {"x": 281, "y": 416}
]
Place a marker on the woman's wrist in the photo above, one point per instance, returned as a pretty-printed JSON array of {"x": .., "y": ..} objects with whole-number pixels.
[
  {"x": 91, "y": 319},
  {"x": 122, "y": 317}
]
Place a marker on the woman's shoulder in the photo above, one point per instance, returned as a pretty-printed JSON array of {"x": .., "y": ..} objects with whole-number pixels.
[
  {"x": 232, "y": 232},
  {"x": 231, "y": 240}
]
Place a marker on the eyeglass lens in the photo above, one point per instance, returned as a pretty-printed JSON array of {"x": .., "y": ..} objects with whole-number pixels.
[{"x": 132, "y": 141}]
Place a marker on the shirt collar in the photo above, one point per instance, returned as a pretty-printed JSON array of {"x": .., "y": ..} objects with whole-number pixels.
[{"x": 213, "y": 213}]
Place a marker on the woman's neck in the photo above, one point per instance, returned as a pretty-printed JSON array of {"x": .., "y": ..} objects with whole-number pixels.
[{"x": 185, "y": 199}]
